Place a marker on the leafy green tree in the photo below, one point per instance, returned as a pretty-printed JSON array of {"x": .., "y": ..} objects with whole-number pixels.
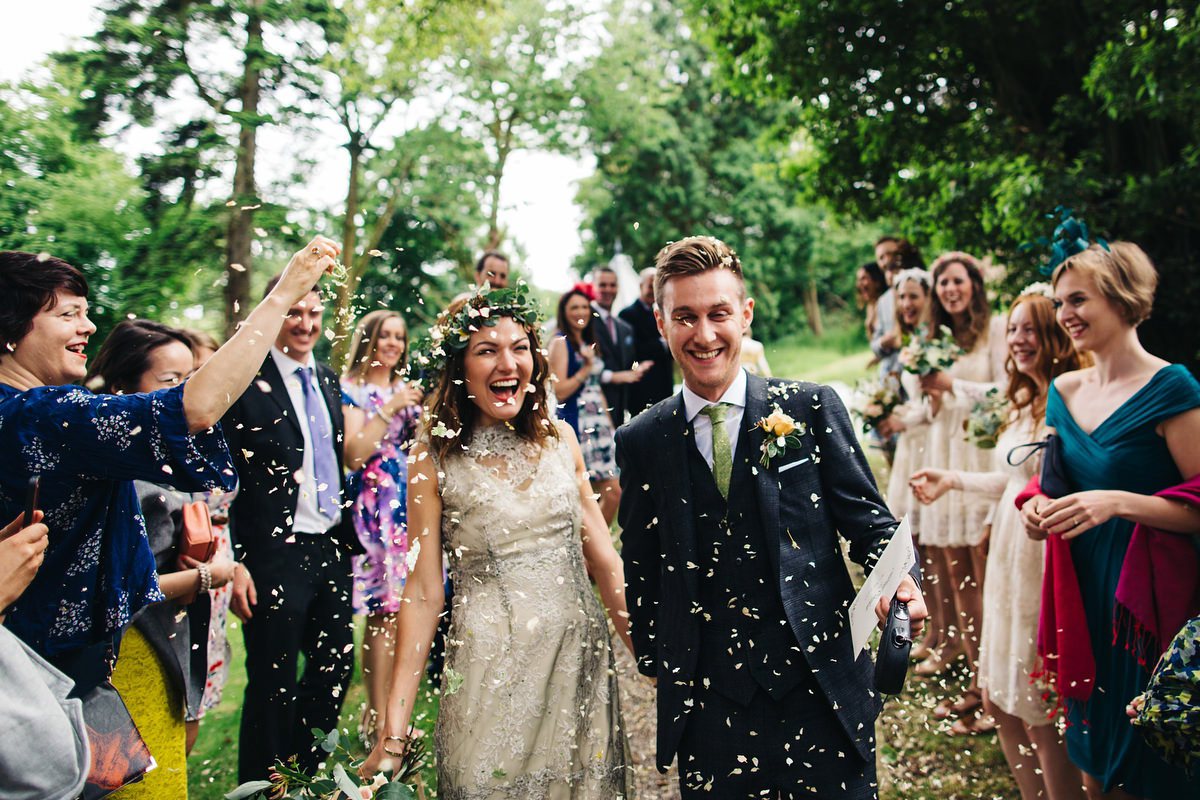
[
  {"x": 967, "y": 121},
  {"x": 678, "y": 155},
  {"x": 514, "y": 88},
  {"x": 388, "y": 60},
  {"x": 74, "y": 200},
  {"x": 235, "y": 65}
]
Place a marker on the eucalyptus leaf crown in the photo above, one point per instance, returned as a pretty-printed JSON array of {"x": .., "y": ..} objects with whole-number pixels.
[{"x": 482, "y": 309}]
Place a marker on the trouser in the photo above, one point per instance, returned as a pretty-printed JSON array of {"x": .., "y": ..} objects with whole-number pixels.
[
  {"x": 789, "y": 748},
  {"x": 304, "y": 607}
]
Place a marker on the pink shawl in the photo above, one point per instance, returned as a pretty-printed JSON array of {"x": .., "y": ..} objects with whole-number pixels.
[{"x": 1157, "y": 592}]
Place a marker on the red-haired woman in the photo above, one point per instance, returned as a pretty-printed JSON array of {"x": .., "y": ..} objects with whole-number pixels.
[{"x": 1038, "y": 351}]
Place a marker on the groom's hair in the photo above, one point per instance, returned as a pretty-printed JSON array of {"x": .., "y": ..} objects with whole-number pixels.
[{"x": 692, "y": 256}]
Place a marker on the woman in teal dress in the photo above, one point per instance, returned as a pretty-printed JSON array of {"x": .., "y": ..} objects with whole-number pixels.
[{"x": 1128, "y": 427}]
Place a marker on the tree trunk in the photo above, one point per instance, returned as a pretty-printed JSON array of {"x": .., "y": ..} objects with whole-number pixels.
[
  {"x": 357, "y": 262},
  {"x": 502, "y": 134},
  {"x": 343, "y": 315},
  {"x": 238, "y": 255},
  {"x": 813, "y": 310}
]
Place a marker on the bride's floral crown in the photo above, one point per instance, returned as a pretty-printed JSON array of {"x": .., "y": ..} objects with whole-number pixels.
[{"x": 482, "y": 309}]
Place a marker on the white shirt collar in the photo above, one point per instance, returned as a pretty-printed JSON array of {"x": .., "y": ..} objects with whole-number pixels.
[
  {"x": 288, "y": 365},
  {"x": 735, "y": 395}
]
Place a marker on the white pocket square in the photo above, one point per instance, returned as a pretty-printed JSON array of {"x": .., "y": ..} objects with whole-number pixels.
[{"x": 786, "y": 467}]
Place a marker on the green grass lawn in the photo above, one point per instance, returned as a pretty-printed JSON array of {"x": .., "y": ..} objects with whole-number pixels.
[
  {"x": 810, "y": 362},
  {"x": 212, "y": 766}
]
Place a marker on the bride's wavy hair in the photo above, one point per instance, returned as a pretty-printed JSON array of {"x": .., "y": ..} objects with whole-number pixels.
[{"x": 450, "y": 405}]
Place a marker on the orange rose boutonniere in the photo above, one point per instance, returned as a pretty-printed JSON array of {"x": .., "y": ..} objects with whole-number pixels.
[{"x": 782, "y": 433}]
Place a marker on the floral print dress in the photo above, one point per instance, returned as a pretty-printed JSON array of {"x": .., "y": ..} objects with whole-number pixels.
[{"x": 380, "y": 491}]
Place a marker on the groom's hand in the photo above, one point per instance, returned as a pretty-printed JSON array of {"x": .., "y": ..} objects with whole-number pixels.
[{"x": 909, "y": 594}]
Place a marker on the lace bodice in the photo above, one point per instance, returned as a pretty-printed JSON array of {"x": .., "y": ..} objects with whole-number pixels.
[{"x": 504, "y": 499}]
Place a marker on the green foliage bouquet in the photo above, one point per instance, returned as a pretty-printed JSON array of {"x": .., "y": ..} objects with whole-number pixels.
[
  {"x": 340, "y": 777},
  {"x": 985, "y": 420},
  {"x": 922, "y": 355}
]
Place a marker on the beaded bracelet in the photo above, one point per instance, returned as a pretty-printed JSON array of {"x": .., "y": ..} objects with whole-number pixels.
[{"x": 205, "y": 578}]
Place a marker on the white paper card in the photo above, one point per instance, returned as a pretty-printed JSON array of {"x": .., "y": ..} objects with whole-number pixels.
[{"x": 897, "y": 559}]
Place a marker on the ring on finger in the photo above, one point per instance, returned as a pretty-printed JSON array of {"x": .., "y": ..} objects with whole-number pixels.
[{"x": 315, "y": 251}]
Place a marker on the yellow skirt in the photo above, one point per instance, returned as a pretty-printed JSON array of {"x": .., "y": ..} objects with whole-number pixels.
[{"x": 157, "y": 710}]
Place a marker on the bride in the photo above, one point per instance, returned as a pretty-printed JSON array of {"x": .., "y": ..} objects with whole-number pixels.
[{"x": 529, "y": 704}]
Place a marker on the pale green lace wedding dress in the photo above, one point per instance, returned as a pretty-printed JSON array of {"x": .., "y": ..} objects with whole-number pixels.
[{"x": 536, "y": 714}]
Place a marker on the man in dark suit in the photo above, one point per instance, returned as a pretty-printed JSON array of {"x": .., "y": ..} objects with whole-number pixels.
[
  {"x": 737, "y": 588},
  {"x": 614, "y": 338},
  {"x": 649, "y": 347},
  {"x": 293, "y": 541}
]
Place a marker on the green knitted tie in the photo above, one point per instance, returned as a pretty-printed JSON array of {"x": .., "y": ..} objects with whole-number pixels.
[{"x": 722, "y": 455}]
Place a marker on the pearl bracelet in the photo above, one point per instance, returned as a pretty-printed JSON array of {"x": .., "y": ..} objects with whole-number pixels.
[{"x": 205, "y": 578}]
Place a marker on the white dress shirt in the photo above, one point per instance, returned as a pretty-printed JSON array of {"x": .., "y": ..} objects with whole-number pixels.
[
  {"x": 308, "y": 517},
  {"x": 693, "y": 404}
]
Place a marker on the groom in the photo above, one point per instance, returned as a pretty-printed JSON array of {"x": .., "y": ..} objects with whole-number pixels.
[{"x": 738, "y": 593}]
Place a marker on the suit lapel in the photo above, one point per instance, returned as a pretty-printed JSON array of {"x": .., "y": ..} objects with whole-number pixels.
[
  {"x": 332, "y": 391},
  {"x": 278, "y": 393},
  {"x": 673, "y": 469},
  {"x": 766, "y": 483}
]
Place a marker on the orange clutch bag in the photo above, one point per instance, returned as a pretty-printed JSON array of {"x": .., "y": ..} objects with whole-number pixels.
[{"x": 198, "y": 541}]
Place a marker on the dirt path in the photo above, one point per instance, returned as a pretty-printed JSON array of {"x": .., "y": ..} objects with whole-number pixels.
[{"x": 637, "y": 707}]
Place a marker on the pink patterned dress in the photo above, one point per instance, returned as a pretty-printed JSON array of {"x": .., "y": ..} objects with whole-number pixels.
[{"x": 379, "y": 509}]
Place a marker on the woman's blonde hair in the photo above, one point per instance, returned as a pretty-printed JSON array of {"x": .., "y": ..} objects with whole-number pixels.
[{"x": 1123, "y": 274}]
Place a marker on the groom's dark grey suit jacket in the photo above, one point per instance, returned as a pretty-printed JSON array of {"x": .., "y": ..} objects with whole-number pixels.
[{"x": 806, "y": 497}]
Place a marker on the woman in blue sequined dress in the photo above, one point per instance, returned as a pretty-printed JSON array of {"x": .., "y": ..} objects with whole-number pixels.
[{"x": 99, "y": 569}]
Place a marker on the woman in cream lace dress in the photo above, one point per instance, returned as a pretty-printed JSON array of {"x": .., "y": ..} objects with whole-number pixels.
[
  {"x": 529, "y": 705},
  {"x": 954, "y": 527},
  {"x": 908, "y": 427}
]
